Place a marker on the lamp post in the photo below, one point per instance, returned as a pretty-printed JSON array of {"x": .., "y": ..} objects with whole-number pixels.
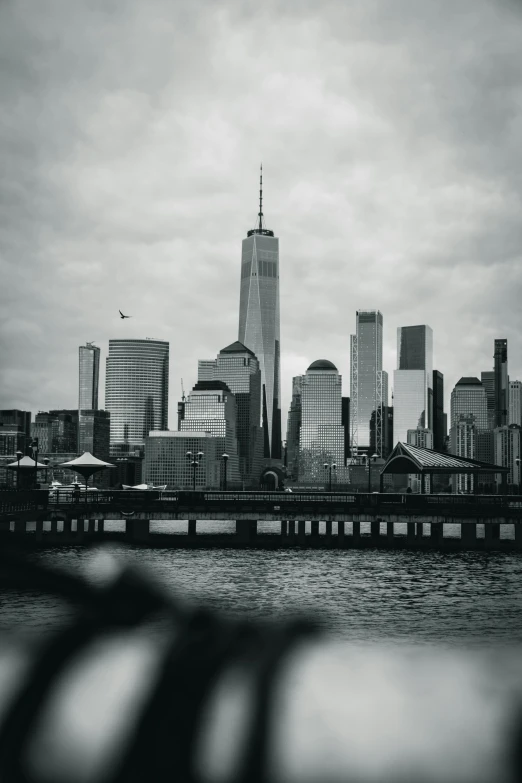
[
  {"x": 194, "y": 460},
  {"x": 369, "y": 461},
  {"x": 19, "y": 456},
  {"x": 225, "y": 458},
  {"x": 329, "y": 468},
  {"x": 34, "y": 449}
]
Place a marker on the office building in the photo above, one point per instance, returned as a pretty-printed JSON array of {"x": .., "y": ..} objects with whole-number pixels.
[
  {"x": 507, "y": 454},
  {"x": 94, "y": 432},
  {"x": 166, "y": 460},
  {"x": 136, "y": 391},
  {"x": 413, "y": 381},
  {"x": 321, "y": 438},
  {"x": 439, "y": 433},
  {"x": 293, "y": 430},
  {"x": 89, "y": 375},
  {"x": 12, "y": 439},
  {"x": 56, "y": 431},
  {"x": 345, "y": 421},
  {"x": 500, "y": 369},
  {"x": 423, "y": 438},
  {"x": 515, "y": 403},
  {"x": 211, "y": 407},
  {"x": 259, "y": 323},
  {"x": 487, "y": 378},
  {"x": 238, "y": 367},
  {"x": 368, "y": 385},
  {"x": 17, "y": 418},
  {"x": 469, "y": 420}
]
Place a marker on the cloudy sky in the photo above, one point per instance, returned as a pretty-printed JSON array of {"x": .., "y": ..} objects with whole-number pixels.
[{"x": 130, "y": 141}]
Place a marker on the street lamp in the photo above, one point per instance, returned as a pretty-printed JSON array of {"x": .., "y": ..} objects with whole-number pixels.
[
  {"x": 194, "y": 460},
  {"x": 225, "y": 458},
  {"x": 329, "y": 468},
  {"x": 19, "y": 456},
  {"x": 369, "y": 461}
]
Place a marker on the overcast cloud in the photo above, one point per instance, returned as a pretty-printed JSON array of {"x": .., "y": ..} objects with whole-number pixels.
[{"x": 130, "y": 140}]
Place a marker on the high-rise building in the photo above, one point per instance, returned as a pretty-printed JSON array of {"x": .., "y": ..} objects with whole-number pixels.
[
  {"x": 211, "y": 407},
  {"x": 368, "y": 384},
  {"x": 469, "y": 420},
  {"x": 500, "y": 368},
  {"x": 487, "y": 378},
  {"x": 56, "y": 431},
  {"x": 507, "y": 448},
  {"x": 89, "y": 374},
  {"x": 136, "y": 391},
  {"x": 438, "y": 411},
  {"x": 259, "y": 322},
  {"x": 413, "y": 381},
  {"x": 20, "y": 419},
  {"x": 94, "y": 432},
  {"x": 293, "y": 429},
  {"x": 321, "y": 438},
  {"x": 515, "y": 403},
  {"x": 345, "y": 421},
  {"x": 423, "y": 438},
  {"x": 238, "y": 368}
]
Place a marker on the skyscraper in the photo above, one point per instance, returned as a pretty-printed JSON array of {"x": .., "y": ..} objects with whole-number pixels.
[
  {"x": 439, "y": 434},
  {"x": 515, "y": 403},
  {"x": 413, "y": 381},
  {"x": 94, "y": 432},
  {"x": 369, "y": 384},
  {"x": 487, "y": 378},
  {"x": 507, "y": 450},
  {"x": 259, "y": 322},
  {"x": 469, "y": 420},
  {"x": 238, "y": 368},
  {"x": 293, "y": 429},
  {"x": 500, "y": 368},
  {"x": 211, "y": 407},
  {"x": 321, "y": 437},
  {"x": 136, "y": 391},
  {"x": 89, "y": 374}
]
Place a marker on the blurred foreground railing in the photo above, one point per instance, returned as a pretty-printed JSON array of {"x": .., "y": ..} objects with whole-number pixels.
[{"x": 115, "y": 696}]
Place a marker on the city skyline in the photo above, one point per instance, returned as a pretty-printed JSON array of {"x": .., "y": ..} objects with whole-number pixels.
[{"x": 136, "y": 185}]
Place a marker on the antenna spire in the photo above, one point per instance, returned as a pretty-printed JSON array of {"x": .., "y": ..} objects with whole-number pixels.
[{"x": 261, "y": 198}]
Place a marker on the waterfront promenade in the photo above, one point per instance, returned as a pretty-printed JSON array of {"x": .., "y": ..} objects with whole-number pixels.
[{"x": 41, "y": 518}]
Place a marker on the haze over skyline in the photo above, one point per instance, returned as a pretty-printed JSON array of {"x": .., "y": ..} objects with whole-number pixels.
[{"x": 130, "y": 145}]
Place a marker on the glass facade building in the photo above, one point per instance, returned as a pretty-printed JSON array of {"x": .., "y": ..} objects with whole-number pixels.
[
  {"x": 487, "y": 379},
  {"x": 500, "y": 369},
  {"x": 211, "y": 407},
  {"x": 368, "y": 385},
  {"x": 293, "y": 429},
  {"x": 166, "y": 460},
  {"x": 259, "y": 327},
  {"x": 439, "y": 433},
  {"x": 94, "y": 432},
  {"x": 136, "y": 391},
  {"x": 89, "y": 375},
  {"x": 468, "y": 422},
  {"x": 507, "y": 447},
  {"x": 322, "y": 433},
  {"x": 413, "y": 381},
  {"x": 237, "y": 366},
  {"x": 56, "y": 431},
  {"x": 515, "y": 403}
]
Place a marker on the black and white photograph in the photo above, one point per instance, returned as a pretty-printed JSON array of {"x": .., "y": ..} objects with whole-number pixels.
[{"x": 260, "y": 391}]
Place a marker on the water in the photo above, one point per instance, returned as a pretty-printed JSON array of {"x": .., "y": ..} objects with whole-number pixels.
[{"x": 471, "y": 599}]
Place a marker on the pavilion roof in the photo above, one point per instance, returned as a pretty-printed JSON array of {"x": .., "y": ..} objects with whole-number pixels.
[{"x": 406, "y": 458}]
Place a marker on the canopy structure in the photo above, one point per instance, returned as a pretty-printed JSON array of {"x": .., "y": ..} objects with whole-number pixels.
[
  {"x": 414, "y": 459},
  {"x": 26, "y": 464},
  {"x": 87, "y": 465}
]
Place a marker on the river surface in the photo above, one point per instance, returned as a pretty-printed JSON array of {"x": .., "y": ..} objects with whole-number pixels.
[{"x": 369, "y": 595}]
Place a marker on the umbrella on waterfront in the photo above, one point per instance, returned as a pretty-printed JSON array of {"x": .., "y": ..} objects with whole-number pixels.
[
  {"x": 87, "y": 465},
  {"x": 24, "y": 467}
]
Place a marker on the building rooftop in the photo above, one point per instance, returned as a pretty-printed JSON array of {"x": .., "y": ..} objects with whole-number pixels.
[
  {"x": 211, "y": 386},
  {"x": 468, "y": 380},
  {"x": 237, "y": 347},
  {"x": 322, "y": 364}
]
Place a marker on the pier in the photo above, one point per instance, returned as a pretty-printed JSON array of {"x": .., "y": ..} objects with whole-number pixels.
[{"x": 302, "y": 520}]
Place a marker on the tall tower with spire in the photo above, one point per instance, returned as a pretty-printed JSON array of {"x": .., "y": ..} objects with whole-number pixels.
[{"x": 259, "y": 321}]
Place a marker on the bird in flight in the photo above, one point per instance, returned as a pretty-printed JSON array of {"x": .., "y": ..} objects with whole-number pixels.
[{"x": 124, "y": 316}]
